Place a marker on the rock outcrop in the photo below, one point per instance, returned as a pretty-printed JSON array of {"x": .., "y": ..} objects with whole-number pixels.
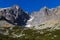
[
  {"x": 14, "y": 15},
  {"x": 44, "y": 18},
  {"x": 41, "y": 19}
]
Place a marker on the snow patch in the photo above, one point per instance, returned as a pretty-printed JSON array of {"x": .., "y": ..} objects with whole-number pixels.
[
  {"x": 31, "y": 18},
  {"x": 28, "y": 25}
]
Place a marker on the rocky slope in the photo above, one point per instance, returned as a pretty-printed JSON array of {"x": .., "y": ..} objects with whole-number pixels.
[
  {"x": 45, "y": 18},
  {"x": 14, "y": 16},
  {"x": 46, "y": 21}
]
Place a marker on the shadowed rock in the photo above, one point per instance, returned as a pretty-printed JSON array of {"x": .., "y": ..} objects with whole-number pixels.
[{"x": 14, "y": 15}]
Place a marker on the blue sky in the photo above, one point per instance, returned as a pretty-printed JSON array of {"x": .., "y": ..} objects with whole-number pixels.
[{"x": 30, "y": 5}]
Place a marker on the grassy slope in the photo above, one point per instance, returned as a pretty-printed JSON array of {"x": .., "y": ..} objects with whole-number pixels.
[{"x": 31, "y": 34}]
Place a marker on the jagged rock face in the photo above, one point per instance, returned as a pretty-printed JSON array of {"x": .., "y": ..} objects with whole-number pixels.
[
  {"x": 48, "y": 17},
  {"x": 14, "y": 15}
]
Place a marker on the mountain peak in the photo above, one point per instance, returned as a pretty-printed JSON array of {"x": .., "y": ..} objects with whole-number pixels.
[
  {"x": 14, "y": 15},
  {"x": 16, "y": 6},
  {"x": 44, "y": 7},
  {"x": 43, "y": 15}
]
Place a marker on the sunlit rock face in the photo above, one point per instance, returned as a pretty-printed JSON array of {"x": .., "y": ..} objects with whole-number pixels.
[
  {"x": 46, "y": 16},
  {"x": 14, "y": 15},
  {"x": 5, "y": 24}
]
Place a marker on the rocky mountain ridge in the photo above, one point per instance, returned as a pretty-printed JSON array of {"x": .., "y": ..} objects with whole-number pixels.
[
  {"x": 41, "y": 19},
  {"x": 45, "y": 18},
  {"x": 14, "y": 15}
]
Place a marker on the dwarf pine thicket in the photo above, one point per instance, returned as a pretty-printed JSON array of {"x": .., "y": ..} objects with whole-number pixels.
[{"x": 20, "y": 33}]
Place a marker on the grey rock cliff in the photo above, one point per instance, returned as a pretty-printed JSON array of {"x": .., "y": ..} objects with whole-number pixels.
[
  {"x": 14, "y": 15},
  {"x": 44, "y": 18}
]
